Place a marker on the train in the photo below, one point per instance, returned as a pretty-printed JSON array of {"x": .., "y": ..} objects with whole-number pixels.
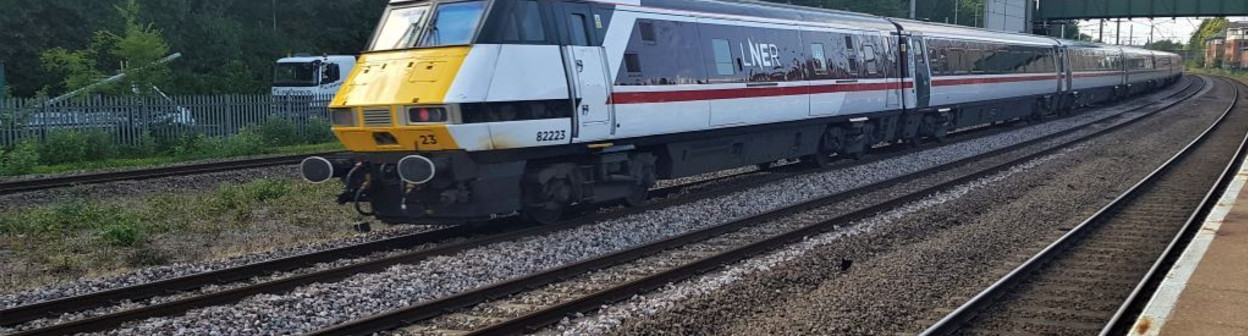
[{"x": 464, "y": 111}]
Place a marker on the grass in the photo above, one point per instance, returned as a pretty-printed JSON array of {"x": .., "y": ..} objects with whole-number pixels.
[
  {"x": 80, "y": 237},
  {"x": 170, "y": 159},
  {"x": 1241, "y": 74},
  {"x": 76, "y": 150}
]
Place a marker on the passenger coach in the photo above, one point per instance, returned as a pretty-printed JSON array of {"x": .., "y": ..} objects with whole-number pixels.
[{"x": 468, "y": 110}]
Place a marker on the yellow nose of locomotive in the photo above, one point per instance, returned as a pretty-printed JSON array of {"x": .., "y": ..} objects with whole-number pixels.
[{"x": 393, "y": 101}]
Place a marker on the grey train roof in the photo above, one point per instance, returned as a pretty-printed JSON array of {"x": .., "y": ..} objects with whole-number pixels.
[{"x": 775, "y": 11}]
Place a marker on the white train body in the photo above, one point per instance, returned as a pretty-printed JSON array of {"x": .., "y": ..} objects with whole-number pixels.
[{"x": 465, "y": 110}]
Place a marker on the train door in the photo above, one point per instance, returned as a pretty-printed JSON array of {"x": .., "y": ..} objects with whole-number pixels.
[
  {"x": 922, "y": 71},
  {"x": 586, "y": 64},
  {"x": 1065, "y": 77},
  {"x": 894, "y": 98}
]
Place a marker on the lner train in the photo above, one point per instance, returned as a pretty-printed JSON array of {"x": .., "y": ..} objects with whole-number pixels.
[{"x": 468, "y": 110}]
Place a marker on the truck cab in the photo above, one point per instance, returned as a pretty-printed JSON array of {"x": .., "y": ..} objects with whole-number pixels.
[{"x": 306, "y": 75}]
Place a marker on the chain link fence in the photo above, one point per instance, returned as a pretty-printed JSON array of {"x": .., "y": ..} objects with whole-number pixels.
[{"x": 129, "y": 120}]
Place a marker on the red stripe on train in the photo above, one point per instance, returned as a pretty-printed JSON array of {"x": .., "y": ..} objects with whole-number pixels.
[{"x": 695, "y": 95}]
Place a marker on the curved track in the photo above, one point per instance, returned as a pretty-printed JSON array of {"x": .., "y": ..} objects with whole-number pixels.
[
  {"x": 498, "y": 231},
  {"x": 1078, "y": 284}
]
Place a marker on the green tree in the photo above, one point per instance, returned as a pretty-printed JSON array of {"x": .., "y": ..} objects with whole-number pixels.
[
  {"x": 1165, "y": 45},
  {"x": 78, "y": 68},
  {"x": 140, "y": 46},
  {"x": 29, "y": 27},
  {"x": 1207, "y": 29}
]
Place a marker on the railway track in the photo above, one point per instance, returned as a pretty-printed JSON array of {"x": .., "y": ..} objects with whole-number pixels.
[
  {"x": 534, "y": 301},
  {"x": 1089, "y": 279},
  {"x": 144, "y": 174},
  {"x": 447, "y": 241}
]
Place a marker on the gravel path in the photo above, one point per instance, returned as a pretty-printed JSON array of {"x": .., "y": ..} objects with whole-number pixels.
[
  {"x": 904, "y": 265},
  {"x": 320, "y": 305}
]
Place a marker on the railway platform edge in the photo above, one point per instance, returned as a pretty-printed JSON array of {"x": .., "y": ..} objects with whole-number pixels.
[{"x": 1206, "y": 291}]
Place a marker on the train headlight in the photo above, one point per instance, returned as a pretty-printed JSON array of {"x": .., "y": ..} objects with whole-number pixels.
[
  {"x": 343, "y": 117},
  {"x": 418, "y": 114},
  {"x": 417, "y": 169}
]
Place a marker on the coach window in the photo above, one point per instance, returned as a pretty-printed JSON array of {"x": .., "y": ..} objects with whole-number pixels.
[
  {"x": 851, "y": 56},
  {"x": 632, "y": 63},
  {"x": 869, "y": 60},
  {"x": 579, "y": 31},
  {"x": 647, "y": 32},
  {"x": 818, "y": 57},
  {"x": 723, "y": 57}
]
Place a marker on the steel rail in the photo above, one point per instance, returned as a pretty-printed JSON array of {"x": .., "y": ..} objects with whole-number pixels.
[
  {"x": 1124, "y": 317},
  {"x": 965, "y": 313},
  {"x": 498, "y": 230},
  {"x": 150, "y": 173},
  {"x": 54, "y": 308},
  {"x": 408, "y": 315}
]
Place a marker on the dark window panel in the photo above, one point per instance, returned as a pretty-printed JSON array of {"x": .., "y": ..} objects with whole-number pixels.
[{"x": 632, "y": 63}]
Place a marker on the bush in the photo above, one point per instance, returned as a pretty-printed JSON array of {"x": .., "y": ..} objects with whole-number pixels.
[
  {"x": 21, "y": 160},
  {"x": 246, "y": 142},
  {"x": 63, "y": 147},
  {"x": 100, "y": 146},
  {"x": 319, "y": 131},
  {"x": 278, "y": 132},
  {"x": 167, "y": 137},
  {"x": 122, "y": 234},
  {"x": 146, "y": 147},
  {"x": 190, "y": 146},
  {"x": 76, "y": 146}
]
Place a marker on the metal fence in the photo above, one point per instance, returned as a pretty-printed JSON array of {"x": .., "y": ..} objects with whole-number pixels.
[{"x": 130, "y": 119}]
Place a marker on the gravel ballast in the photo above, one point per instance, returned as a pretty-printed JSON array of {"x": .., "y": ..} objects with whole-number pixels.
[{"x": 320, "y": 305}]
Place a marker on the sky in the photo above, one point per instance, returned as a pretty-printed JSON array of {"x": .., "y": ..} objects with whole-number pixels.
[{"x": 1178, "y": 30}]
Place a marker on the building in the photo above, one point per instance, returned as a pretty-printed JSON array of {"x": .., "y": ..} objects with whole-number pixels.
[
  {"x": 1214, "y": 49},
  {"x": 1236, "y": 41},
  {"x": 1243, "y": 58}
]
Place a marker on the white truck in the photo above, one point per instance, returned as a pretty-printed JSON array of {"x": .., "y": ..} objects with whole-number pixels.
[{"x": 315, "y": 76}]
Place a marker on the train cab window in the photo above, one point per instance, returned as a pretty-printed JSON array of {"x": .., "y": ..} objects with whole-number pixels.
[
  {"x": 577, "y": 25},
  {"x": 632, "y": 63},
  {"x": 818, "y": 57},
  {"x": 723, "y": 57},
  {"x": 400, "y": 27},
  {"x": 454, "y": 23},
  {"x": 647, "y": 31}
]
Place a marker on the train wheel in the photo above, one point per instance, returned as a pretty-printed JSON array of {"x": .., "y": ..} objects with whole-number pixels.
[
  {"x": 637, "y": 196},
  {"x": 832, "y": 141},
  {"x": 548, "y": 205}
]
